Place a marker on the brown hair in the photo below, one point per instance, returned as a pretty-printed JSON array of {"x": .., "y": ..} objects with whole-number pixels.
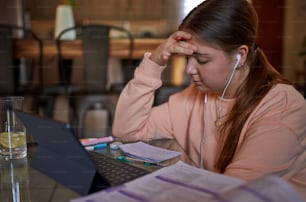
[{"x": 229, "y": 24}]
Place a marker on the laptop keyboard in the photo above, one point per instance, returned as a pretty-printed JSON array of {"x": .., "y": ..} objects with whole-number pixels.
[{"x": 114, "y": 171}]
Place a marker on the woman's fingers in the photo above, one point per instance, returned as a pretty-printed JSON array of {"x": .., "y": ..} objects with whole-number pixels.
[
  {"x": 181, "y": 36},
  {"x": 177, "y": 43},
  {"x": 184, "y": 48}
]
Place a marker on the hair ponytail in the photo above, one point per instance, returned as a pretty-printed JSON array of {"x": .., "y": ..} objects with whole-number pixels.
[{"x": 262, "y": 77}]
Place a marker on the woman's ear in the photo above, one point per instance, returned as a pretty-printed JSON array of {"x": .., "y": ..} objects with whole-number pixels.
[{"x": 243, "y": 51}]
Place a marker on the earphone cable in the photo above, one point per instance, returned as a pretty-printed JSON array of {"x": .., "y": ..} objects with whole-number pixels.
[{"x": 203, "y": 138}]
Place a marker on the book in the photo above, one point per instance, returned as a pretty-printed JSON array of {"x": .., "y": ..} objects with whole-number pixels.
[{"x": 182, "y": 182}]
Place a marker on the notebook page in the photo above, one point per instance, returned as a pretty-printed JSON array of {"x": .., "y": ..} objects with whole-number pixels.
[{"x": 149, "y": 153}]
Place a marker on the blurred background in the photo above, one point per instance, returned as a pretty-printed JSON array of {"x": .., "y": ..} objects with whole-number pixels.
[{"x": 282, "y": 22}]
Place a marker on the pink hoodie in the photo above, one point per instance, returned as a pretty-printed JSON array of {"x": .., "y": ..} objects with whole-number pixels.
[{"x": 273, "y": 140}]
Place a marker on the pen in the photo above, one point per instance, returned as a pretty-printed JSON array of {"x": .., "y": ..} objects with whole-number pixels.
[
  {"x": 132, "y": 160},
  {"x": 97, "y": 146}
]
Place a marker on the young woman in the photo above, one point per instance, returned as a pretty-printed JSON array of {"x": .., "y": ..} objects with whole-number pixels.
[{"x": 239, "y": 117}]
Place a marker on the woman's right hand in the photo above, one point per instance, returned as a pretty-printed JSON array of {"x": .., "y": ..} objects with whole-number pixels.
[{"x": 177, "y": 43}]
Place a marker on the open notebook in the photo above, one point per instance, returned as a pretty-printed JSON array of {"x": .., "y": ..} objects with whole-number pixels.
[{"x": 61, "y": 156}]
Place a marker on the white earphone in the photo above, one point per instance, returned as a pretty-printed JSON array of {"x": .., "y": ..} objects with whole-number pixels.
[{"x": 238, "y": 58}]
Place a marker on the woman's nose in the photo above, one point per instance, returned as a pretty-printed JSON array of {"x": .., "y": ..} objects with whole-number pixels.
[{"x": 191, "y": 67}]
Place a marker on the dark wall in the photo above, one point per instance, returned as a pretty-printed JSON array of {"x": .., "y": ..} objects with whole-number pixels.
[
  {"x": 271, "y": 29},
  {"x": 11, "y": 12}
]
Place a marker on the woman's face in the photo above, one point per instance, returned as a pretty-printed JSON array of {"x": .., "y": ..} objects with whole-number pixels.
[{"x": 209, "y": 67}]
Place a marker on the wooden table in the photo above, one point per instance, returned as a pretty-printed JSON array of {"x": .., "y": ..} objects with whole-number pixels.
[
  {"x": 119, "y": 49},
  {"x": 71, "y": 49}
]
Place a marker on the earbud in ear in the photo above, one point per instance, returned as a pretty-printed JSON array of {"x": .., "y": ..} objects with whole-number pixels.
[{"x": 238, "y": 58}]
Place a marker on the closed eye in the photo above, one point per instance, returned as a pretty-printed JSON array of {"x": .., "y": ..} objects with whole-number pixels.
[
  {"x": 200, "y": 58},
  {"x": 201, "y": 62}
]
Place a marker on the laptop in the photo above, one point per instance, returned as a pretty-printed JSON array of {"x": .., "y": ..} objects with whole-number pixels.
[{"x": 61, "y": 156}]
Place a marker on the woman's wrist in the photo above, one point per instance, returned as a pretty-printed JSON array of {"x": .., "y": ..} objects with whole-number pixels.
[
  {"x": 157, "y": 59},
  {"x": 148, "y": 58}
]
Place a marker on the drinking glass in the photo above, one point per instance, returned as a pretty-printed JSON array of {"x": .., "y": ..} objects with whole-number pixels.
[
  {"x": 14, "y": 180},
  {"x": 13, "y": 144}
]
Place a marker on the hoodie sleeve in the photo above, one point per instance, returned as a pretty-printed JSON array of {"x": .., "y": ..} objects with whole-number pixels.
[{"x": 135, "y": 116}]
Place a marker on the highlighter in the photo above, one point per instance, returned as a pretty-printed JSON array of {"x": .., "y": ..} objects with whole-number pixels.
[
  {"x": 97, "y": 146},
  {"x": 93, "y": 141}
]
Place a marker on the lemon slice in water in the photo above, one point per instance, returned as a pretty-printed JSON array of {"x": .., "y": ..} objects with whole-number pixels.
[{"x": 12, "y": 140}]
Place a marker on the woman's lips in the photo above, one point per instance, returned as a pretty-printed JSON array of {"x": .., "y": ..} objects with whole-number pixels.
[{"x": 198, "y": 83}]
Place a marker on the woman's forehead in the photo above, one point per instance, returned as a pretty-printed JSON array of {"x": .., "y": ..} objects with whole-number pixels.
[
  {"x": 195, "y": 40},
  {"x": 205, "y": 48}
]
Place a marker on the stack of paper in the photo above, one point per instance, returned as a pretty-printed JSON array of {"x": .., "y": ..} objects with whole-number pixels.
[
  {"x": 181, "y": 182},
  {"x": 148, "y": 153}
]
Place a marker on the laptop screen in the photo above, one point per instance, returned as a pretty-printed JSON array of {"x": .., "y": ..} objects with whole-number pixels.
[{"x": 61, "y": 156}]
